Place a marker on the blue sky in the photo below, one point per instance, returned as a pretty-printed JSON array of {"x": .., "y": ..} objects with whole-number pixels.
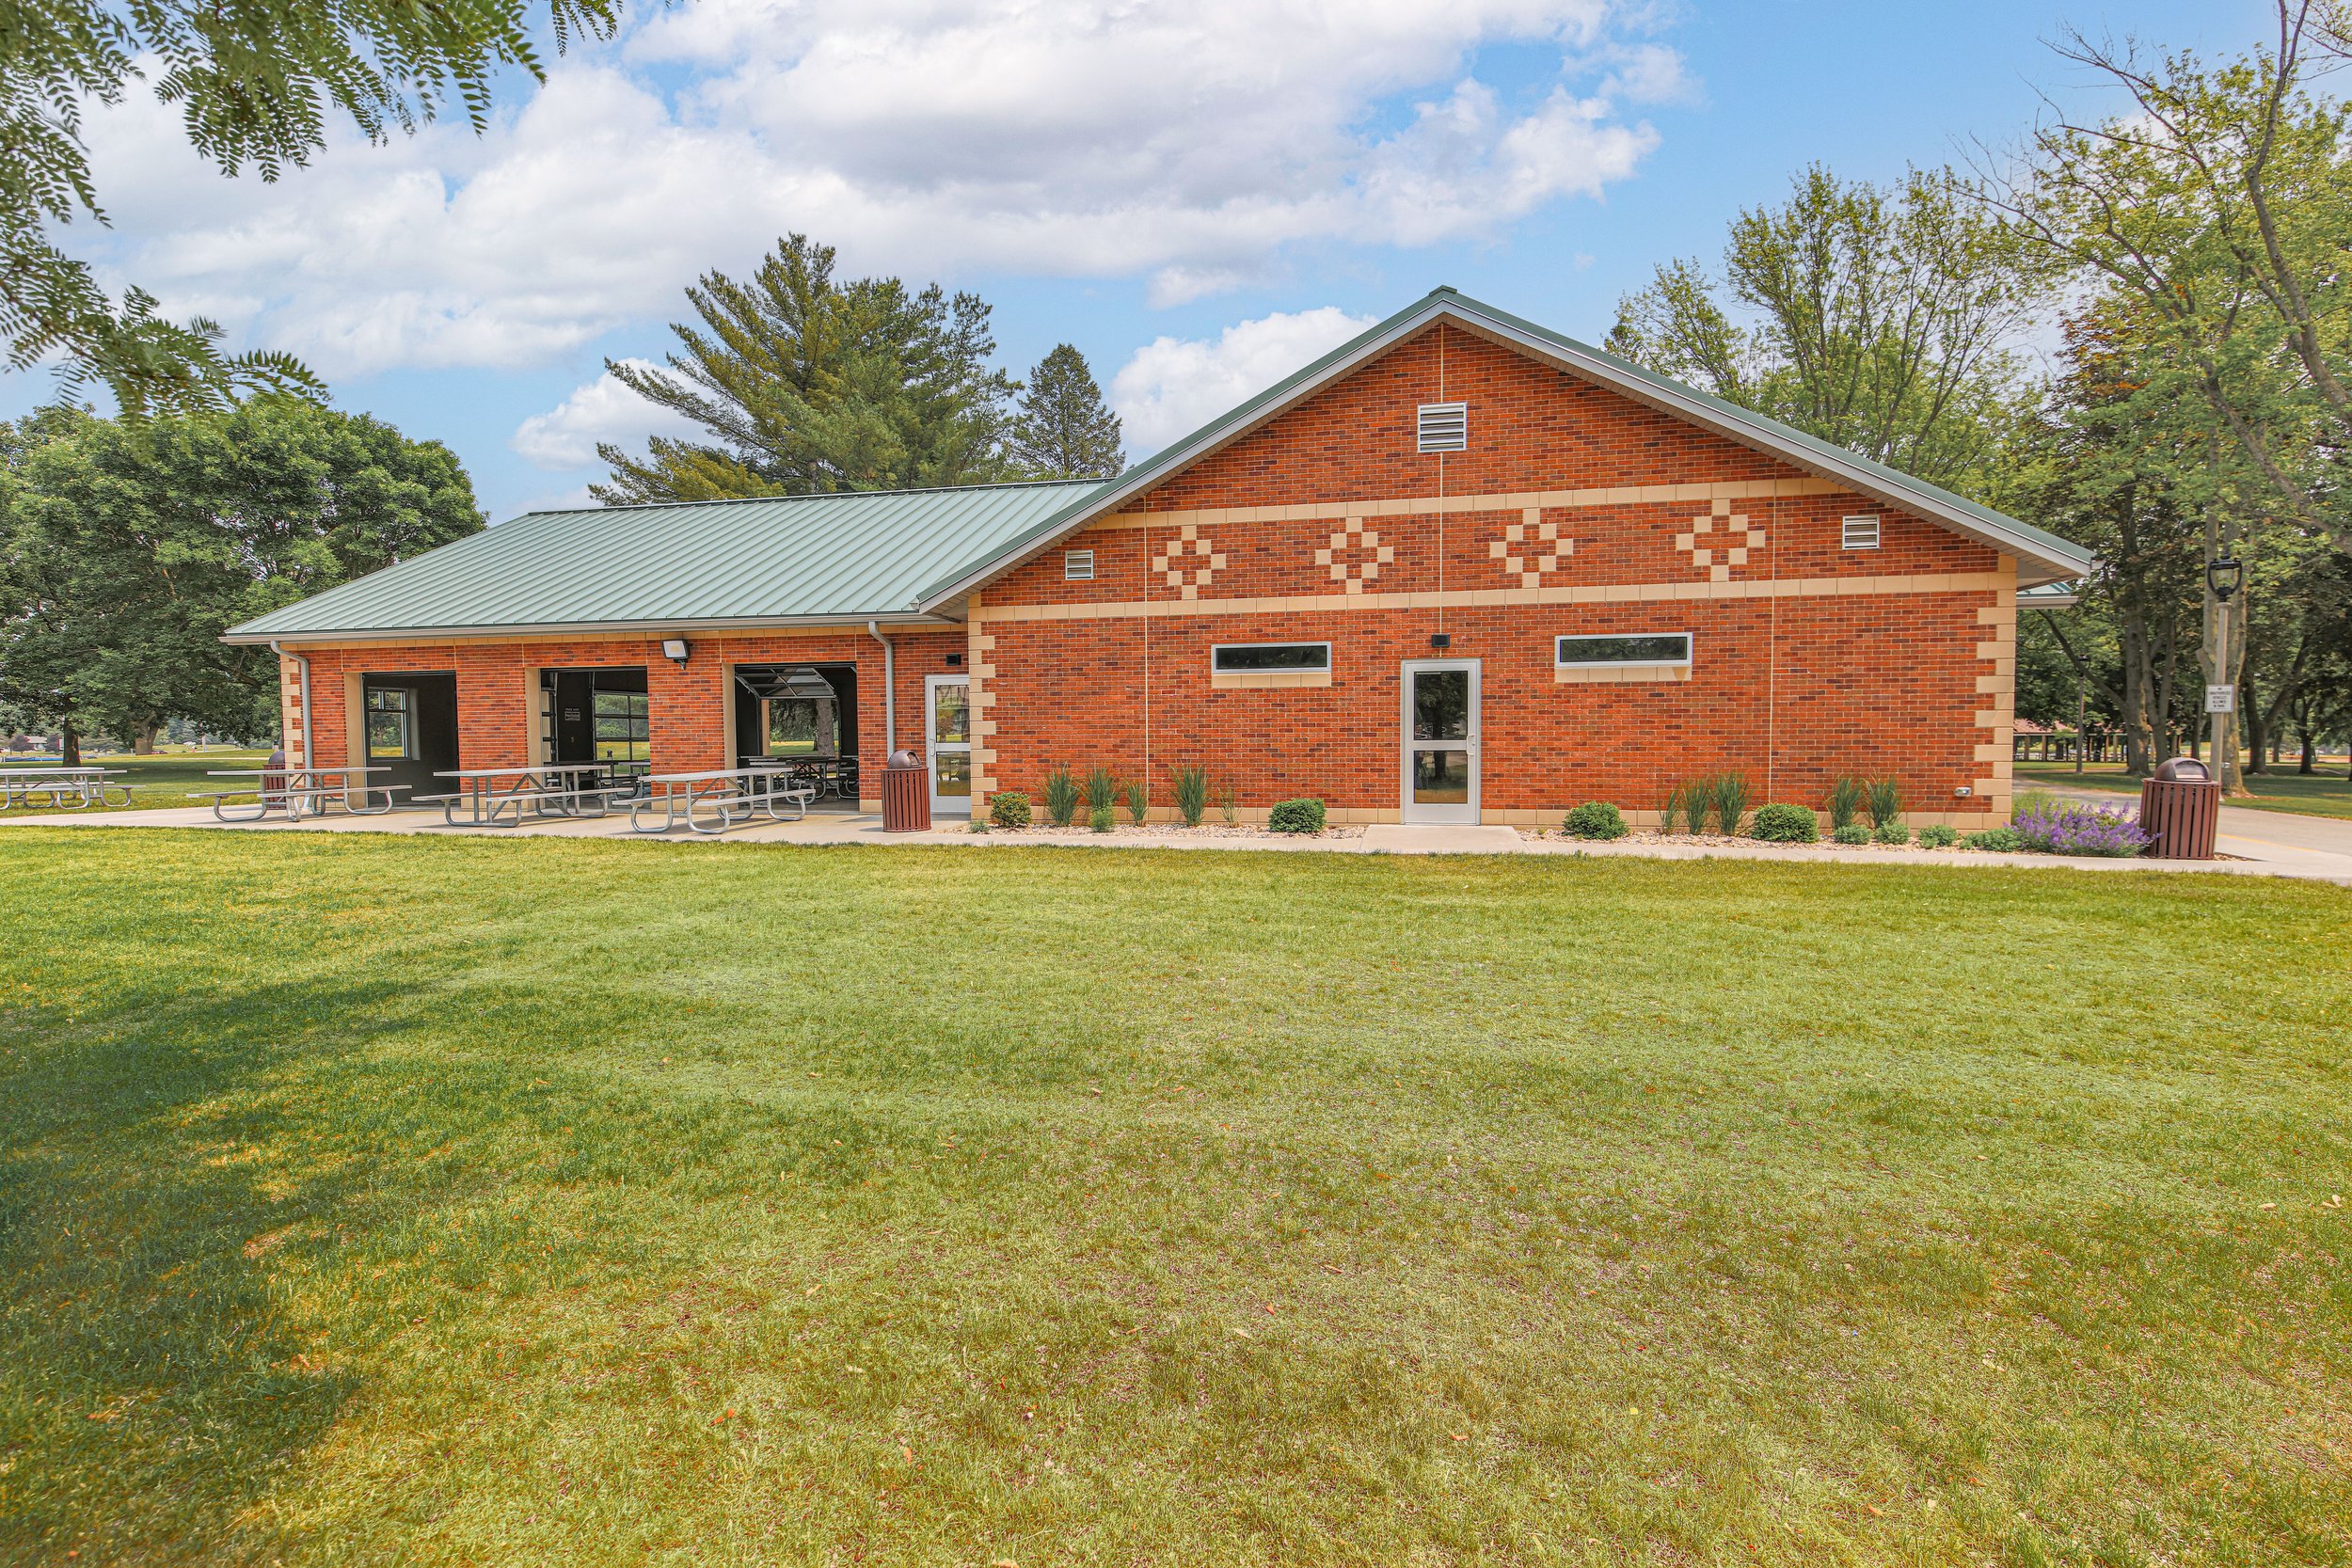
[{"x": 1200, "y": 194}]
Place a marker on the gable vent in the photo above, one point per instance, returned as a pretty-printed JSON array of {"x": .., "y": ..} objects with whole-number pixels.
[
  {"x": 1444, "y": 426},
  {"x": 1861, "y": 533}
]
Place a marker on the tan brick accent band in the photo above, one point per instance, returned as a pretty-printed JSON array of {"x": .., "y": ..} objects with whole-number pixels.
[
  {"x": 1612, "y": 593},
  {"x": 1594, "y": 674}
]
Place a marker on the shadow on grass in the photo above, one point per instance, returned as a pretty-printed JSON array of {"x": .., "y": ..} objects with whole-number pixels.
[{"x": 148, "y": 1357}]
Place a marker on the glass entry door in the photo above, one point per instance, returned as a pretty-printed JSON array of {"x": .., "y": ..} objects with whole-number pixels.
[
  {"x": 949, "y": 726},
  {"x": 1440, "y": 740}
]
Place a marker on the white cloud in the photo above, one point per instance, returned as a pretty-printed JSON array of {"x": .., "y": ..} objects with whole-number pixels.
[
  {"x": 566, "y": 437},
  {"x": 1185, "y": 142},
  {"x": 1171, "y": 386}
]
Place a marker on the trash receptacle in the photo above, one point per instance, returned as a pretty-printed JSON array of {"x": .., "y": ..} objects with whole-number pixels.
[
  {"x": 2180, "y": 808},
  {"x": 906, "y": 794}
]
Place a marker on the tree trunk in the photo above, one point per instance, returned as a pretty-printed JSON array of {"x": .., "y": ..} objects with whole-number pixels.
[
  {"x": 70, "y": 744},
  {"x": 143, "y": 739}
]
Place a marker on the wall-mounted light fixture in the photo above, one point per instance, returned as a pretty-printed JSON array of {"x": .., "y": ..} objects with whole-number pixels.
[
  {"x": 675, "y": 648},
  {"x": 1441, "y": 639}
]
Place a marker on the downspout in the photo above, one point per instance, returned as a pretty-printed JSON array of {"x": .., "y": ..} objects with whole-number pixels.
[
  {"x": 890, "y": 690},
  {"x": 302, "y": 664}
]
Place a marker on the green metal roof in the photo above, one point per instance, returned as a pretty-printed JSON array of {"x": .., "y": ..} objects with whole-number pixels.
[
  {"x": 781, "y": 561},
  {"x": 2044, "y": 556}
]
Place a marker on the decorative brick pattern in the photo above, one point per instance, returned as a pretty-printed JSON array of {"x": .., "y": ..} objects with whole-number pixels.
[
  {"x": 1716, "y": 550},
  {"x": 1355, "y": 556},
  {"x": 1173, "y": 562},
  {"x": 1531, "y": 548}
]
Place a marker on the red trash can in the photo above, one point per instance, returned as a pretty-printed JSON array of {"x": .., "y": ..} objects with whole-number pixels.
[
  {"x": 2180, "y": 811},
  {"x": 906, "y": 794}
]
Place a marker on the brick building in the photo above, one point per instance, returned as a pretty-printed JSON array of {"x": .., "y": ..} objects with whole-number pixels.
[{"x": 1460, "y": 569}]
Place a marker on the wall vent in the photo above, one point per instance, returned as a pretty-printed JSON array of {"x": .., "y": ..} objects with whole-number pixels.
[
  {"x": 1077, "y": 565},
  {"x": 1444, "y": 426},
  {"x": 1861, "y": 533}
]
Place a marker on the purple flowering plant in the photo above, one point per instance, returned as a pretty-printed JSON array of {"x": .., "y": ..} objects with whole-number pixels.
[{"x": 2061, "y": 827}]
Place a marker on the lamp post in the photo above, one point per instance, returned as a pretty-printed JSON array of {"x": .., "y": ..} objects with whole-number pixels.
[{"x": 2222, "y": 576}]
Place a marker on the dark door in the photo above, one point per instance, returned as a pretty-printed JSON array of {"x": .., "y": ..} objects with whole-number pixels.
[
  {"x": 410, "y": 727},
  {"x": 602, "y": 715}
]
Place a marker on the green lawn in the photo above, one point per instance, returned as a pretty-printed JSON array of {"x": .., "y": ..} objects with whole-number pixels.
[
  {"x": 167, "y": 779},
  {"x": 366, "y": 1200},
  {"x": 2317, "y": 795}
]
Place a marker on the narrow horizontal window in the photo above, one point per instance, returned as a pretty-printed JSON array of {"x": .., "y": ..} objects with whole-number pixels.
[
  {"x": 1672, "y": 647},
  {"x": 1444, "y": 426},
  {"x": 1861, "y": 533},
  {"x": 1077, "y": 565},
  {"x": 1232, "y": 658}
]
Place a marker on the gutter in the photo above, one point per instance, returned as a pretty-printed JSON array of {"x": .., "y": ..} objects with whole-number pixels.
[
  {"x": 509, "y": 631},
  {"x": 302, "y": 664},
  {"x": 890, "y": 690}
]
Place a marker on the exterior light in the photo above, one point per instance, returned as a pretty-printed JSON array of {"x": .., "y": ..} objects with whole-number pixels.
[
  {"x": 2222, "y": 576},
  {"x": 1441, "y": 639},
  {"x": 675, "y": 647}
]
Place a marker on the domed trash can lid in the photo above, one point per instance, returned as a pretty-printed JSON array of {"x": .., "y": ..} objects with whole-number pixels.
[
  {"x": 2184, "y": 770},
  {"x": 904, "y": 758}
]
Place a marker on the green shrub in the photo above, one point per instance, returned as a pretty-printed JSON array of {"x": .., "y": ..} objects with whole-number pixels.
[
  {"x": 1938, "y": 835},
  {"x": 1228, "y": 805},
  {"x": 1845, "y": 802},
  {"x": 1998, "y": 841},
  {"x": 1595, "y": 819},
  {"x": 1853, "y": 832},
  {"x": 1062, "y": 798},
  {"x": 1192, "y": 794},
  {"x": 1102, "y": 819},
  {"x": 1138, "y": 802},
  {"x": 1886, "y": 802},
  {"x": 1729, "y": 794},
  {"x": 1891, "y": 833},
  {"x": 1295, "y": 816},
  {"x": 977, "y": 825},
  {"x": 1782, "y": 823},
  {"x": 1009, "y": 808},
  {"x": 1102, "y": 790}
]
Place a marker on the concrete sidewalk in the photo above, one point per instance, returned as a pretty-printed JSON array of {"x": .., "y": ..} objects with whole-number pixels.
[{"x": 2270, "y": 853}]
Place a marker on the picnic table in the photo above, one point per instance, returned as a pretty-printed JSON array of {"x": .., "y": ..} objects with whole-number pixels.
[
  {"x": 298, "y": 792},
  {"x": 496, "y": 797},
  {"x": 727, "y": 795},
  {"x": 87, "y": 786}
]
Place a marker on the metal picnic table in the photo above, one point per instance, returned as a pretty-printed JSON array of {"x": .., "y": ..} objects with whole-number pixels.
[
  {"x": 86, "y": 785},
  {"x": 299, "y": 792},
  {"x": 731, "y": 795},
  {"x": 550, "y": 789}
]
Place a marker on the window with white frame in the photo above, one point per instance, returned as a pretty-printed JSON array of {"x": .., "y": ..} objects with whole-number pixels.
[
  {"x": 1444, "y": 426},
  {"x": 1077, "y": 565},
  {"x": 1241, "y": 659},
  {"x": 1861, "y": 533},
  {"x": 1653, "y": 650}
]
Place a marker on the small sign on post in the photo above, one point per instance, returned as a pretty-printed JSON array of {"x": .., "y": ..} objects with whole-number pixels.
[{"x": 2221, "y": 699}]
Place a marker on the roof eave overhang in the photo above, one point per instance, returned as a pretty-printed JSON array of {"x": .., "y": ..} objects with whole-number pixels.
[
  {"x": 897, "y": 619},
  {"x": 2036, "y": 561}
]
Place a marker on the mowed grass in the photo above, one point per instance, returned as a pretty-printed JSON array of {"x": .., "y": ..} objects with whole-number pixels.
[
  {"x": 369, "y": 1200},
  {"x": 2328, "y": 794}
]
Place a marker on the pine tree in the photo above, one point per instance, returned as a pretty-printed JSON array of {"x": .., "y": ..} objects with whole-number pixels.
[
  {"x": 1063, "y": 430},
  {"x": 807, "y": 386}
]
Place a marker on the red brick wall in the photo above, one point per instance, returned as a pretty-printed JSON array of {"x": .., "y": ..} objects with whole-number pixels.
[
  {"x": 1793, "y": 690},
  {"x": 687, "y": 705}
]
